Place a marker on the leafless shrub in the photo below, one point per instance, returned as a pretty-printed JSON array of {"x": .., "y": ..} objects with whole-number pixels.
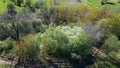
[{"x": 94, "y": 32}]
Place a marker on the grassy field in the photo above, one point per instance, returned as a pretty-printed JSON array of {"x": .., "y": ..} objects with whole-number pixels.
[
  {"x": 3, "y": 6},
  {"x": 94, "y": 2},
  {"x": 97, "y": 3}
]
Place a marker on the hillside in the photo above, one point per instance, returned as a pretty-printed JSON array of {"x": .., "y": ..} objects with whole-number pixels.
[{"x": 59, "y": 34}]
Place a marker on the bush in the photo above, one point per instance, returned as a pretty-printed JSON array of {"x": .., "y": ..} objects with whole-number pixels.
[
  {"x": 39, "y": 5},
  {"x": 3, "y": 36},
  {"x": 86, "y": 13},
  {"x": 10, "y": 6},
  {"x": 111, "y": 45},
  {"x": 113, "y": 25},
  {"x": 28, "y": 48},
  {"x": 66, "y": 43},
  {"x": 56, "y": 44},
  {"x": 105, "y": 13},
  {"x": 96, "y": 32},
  {"x": 81, "y": 46},
  {"x": 6, "y": 47},
  {"x": 28, "y": 3},
  {"x": 38, "y": 26},
  {"x": 71, "y": 32},
  {"x": 66, "y": 14}
]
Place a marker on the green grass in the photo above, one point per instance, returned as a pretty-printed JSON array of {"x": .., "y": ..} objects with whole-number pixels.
[
  {"x": 2, "y": 6},
  {"x": 97, "y": 4}
]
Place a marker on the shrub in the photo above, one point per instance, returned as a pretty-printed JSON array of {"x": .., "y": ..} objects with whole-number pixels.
[
  {"x": 86, "y": 13},
  {"x": 71, "y": 32},
  {"x": 39, "y": 4},
  {"x": 6, "y": 47},
  {"x": 66, "y": 43},
  {"x": 28, "y": 3},
  {"x": 55, "y": 43},
  {"x": 19, "y": 2},
  {"x": 27, "y": 48},
  {"x": 3, "y": 36},
  {"x": 81, "y": 46},
  {"x": 96, "y": 32},
  {"x": 49, "y": 2},
  {"x": 114, "y": 25},
  {"x": 111, "y": 45},
  {"x": 105, "y": 13},
  {"x": 10, "y": 6},
  {"x": 38, "y": 26}
]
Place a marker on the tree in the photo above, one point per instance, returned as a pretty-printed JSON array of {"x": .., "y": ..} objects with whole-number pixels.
[
  {"x": 12, "y": 28},
  {"x": 39, "y": 5},
  {"x": 19, "y": 2},
  {"x": 28, "y": 3},
  {"x": 17, "y": 25},
  {"x": 111, "y": 48},
  {"x": 10, "y": 6}
]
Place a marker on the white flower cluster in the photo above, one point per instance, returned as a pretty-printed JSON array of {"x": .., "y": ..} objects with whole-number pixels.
[{"x": 71, "y": 32}]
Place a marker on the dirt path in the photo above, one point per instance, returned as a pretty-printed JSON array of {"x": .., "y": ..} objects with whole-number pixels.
[{"x": 5, "y": 60}]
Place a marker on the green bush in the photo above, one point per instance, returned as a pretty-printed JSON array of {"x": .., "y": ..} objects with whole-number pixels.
[
  {"x": 81, "y": 46},
  {"x": 10, "y": 6},
  {"x": 38, "y": 26},
  {"x": 66, "y": 42},
  {"x": 111, "y": 44},
  {"x": 39, "y": 5},
  {"x": 28, "y": 48},
  {"x": 6, "y": 47},
  {"x": 114, "y": 25},
  {"x": 55, "y": 43},
  {"x": 111, "y": 47}
]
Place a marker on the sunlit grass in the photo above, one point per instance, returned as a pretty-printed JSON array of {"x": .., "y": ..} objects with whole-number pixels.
[
  {"x": 97, "y": 3},
  {"x": 2, "y": 6}
]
